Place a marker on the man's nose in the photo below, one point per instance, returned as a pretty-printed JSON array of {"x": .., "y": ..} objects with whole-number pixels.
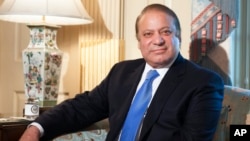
[{"x": 158, "y": 40}]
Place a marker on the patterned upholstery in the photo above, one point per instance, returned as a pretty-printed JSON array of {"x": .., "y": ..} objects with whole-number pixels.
[
  {"x": 96, "y": 132},
  {"x": 236, "y": 107}
]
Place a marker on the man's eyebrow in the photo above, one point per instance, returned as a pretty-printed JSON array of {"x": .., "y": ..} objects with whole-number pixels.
[{"x": 167, "y": 27}]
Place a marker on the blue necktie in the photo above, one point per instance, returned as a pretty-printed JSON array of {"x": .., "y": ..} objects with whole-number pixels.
[{"x": 138, "y": 108}]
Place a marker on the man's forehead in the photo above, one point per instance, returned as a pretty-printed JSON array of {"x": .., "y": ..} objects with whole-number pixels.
[{"x": 156, "y": 17}]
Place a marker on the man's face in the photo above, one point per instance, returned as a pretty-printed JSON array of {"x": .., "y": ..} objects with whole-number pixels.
[{"x": 158, "y": 42}]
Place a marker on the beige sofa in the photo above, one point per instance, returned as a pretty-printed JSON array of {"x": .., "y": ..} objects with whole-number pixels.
[{"x": 236, "y": 106}]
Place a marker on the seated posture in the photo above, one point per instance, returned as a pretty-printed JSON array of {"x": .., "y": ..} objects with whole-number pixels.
[{"x": 160, "y": 97}]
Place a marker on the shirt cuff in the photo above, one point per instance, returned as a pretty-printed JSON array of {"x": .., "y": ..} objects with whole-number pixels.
[{"x": 40, "y": 128}]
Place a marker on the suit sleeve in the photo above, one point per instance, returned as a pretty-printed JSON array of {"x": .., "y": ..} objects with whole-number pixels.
[
  {"x": 203, "y": 110},
  {"x": 75, "y": 114}
]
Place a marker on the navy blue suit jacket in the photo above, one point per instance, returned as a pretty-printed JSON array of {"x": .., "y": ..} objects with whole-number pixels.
[{"x": 186, "y": 105}]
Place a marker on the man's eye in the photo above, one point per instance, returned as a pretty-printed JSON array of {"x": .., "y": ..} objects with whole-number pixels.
[
  {"x": 147, "y": 34},
  {"x": 166, "y": 32}
]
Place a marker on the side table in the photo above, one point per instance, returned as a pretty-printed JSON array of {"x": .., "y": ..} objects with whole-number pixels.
[{"x": 12, "y": 129}]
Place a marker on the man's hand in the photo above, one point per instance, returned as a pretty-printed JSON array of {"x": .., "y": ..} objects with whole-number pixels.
[{"x": 32, "y": 133}]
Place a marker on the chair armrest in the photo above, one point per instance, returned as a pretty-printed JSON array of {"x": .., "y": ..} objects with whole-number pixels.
[{"x": 95, "y": 132}]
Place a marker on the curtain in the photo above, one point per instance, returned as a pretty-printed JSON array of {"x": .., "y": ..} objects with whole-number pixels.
[
  {"x": 212, "y": 23},
  {"x": 101, "y": 43},
  {"x": 240, "y": 49}
]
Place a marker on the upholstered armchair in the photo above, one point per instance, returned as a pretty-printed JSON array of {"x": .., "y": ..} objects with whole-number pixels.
[
  {"x": 96, "y": 132},
  {"x": 236, "y": 110}
]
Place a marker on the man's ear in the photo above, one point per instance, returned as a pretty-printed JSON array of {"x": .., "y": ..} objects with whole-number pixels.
[
  {"x": 179, "y": 38},
  {"x": 137, "y": 37},
  {"x": 178, "y": 35}
]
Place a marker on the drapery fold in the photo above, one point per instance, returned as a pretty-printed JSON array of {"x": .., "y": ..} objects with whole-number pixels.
[
  {"x": 211, "y": 20},
  {"x": 240, "y": 59},
  {"x": 212, "y": 23},
  {"x": 229, "y": 7}
]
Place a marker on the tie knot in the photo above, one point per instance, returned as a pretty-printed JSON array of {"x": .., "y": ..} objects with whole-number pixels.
[{"x": 152, "y": 74}]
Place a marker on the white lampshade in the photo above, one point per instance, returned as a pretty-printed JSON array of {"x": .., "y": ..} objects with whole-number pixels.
[{"x": 55, "y": 12}]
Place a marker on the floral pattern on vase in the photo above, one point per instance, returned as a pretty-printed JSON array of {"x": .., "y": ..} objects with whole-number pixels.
[{"x": 42, "y": 65}]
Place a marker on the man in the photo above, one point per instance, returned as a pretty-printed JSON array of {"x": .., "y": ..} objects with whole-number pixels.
[{"x": 186, "y": 99}]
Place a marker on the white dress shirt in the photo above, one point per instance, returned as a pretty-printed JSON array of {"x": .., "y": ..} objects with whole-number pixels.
[{"x": 157, "y": 80}]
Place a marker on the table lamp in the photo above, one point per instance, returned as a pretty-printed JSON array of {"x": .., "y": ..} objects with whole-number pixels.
[{"x": 42, "y": 59}]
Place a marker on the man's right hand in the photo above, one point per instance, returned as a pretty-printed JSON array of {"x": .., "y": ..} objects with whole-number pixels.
[{"x": 32, "y": 133}]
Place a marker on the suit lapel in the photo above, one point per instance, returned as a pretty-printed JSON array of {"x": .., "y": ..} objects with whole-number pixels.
[{"x": 165, "y": 89}]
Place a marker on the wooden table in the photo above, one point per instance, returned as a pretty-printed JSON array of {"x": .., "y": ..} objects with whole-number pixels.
[{"x": 11, "y": 129}]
